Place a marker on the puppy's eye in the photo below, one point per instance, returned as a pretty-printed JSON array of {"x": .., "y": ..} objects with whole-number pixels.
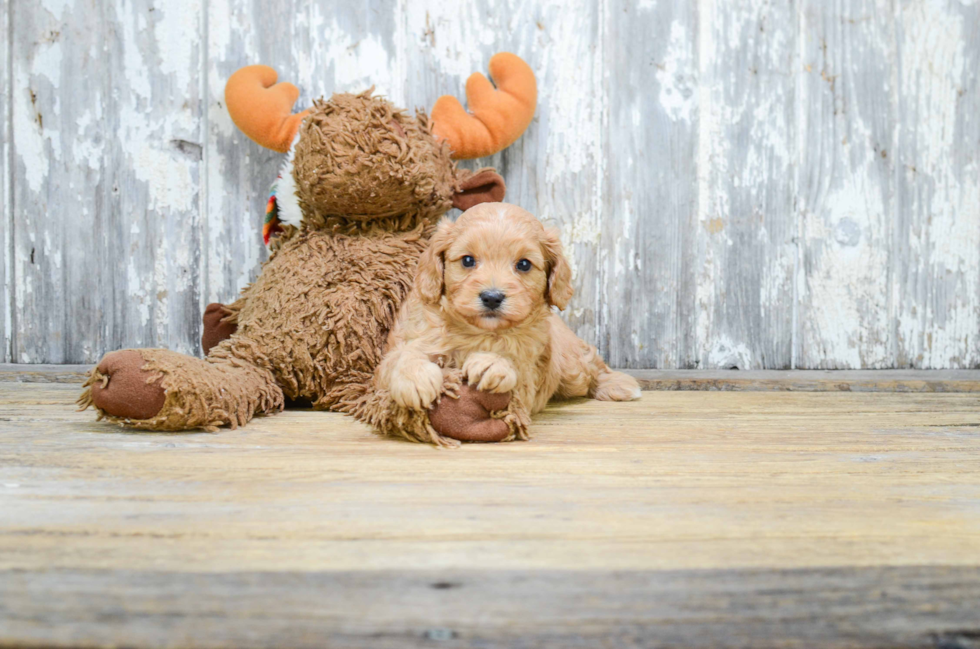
[
  {"x": 524, "y": 265},
  {"x": 468, "y": 262}
]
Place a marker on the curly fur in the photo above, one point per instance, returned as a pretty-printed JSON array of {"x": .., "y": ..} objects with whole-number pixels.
[
  {"x": 362, "y": 158},
  {"x": 521, "y": 346},
  {"x": 372, "y": 182}
]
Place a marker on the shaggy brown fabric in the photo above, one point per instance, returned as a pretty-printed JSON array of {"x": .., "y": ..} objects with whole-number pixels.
[
  {"x": 314, "y": 323},
  {"x": 199, "y": 394},
  {"x": 121, "y": 385},
  {"x": 375, "y": 407},
  {"x": 352, "y": 161},
  {"x": 220, "y": 322}
]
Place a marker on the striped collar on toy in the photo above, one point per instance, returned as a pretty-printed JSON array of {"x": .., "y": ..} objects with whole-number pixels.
[{"x": 282, "y": 207}]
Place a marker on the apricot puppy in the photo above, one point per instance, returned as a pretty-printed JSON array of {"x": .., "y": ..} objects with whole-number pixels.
[{"x": 482, "y": 302}]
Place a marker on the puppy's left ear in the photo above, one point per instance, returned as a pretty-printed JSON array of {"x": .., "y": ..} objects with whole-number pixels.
[
  {"x": 559, "y": 272},
  {"x": 484, "y": 186},
  {"x": 428, "y": 278}
]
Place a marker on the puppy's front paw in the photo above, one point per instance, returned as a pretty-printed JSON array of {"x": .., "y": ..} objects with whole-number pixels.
[
  {"x": 616, "y": 386},
  {"x": 490, "y": 373},
  {"x": 416, "y": 384}
]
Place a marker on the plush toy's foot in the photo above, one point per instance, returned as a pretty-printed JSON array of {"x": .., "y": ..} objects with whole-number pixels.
[
  {"x": 461, "y": 414},
  {"x": 468, "y": 418},
  {"x": 217, "y": 326},
  {"x": 157, "y": 389},
  {"x": 123, "y": 389}
]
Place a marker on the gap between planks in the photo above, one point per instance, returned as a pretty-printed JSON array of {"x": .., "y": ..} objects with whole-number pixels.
[{"x": 682, "y": 380}]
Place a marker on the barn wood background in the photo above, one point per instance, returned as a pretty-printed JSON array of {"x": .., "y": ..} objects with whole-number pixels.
[{"x": 760, "y": 184}]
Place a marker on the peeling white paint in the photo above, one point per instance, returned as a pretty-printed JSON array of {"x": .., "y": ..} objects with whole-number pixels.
[
  {"x": 453, "y": 33},
  {"x": 750, "y": 96},
  {"x": 56, "y": 7},
  {"x": 48, "y": 61},
  {"x": 137, "y": 291},
  {"x": 175, "y": 21},
  {"x": 357, "y": 61},
  {"x": 677, "y": 88},
  {"x": 712, "y": 161},
  {"x": 726, "y": 353},
  {"x": 846, "y": 288},
  {"x": 137, "y": 72},
  {"x": 168, "y": 181},
  {"x": 6, "y": 211},
  {"x": 941, "y": 329},
  {"x": 30, "y": 142},
  {"x": 32, "y": 85},
  {"x": 572, "y": 144}
]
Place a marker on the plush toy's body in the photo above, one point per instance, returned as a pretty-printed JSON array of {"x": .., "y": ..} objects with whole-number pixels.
[{"x": 363, "y": 187}]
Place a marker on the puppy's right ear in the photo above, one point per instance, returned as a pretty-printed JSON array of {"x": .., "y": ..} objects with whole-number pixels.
[
  {"x": 560, "y": 288},
  {"x": 428, "y": 279}
]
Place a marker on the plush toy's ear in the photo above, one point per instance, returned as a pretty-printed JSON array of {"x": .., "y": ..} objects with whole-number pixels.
[
  {"x": 260, "y": 107},
  {"x": 497, "y": 116},
  {"x": 559, "y": 272},
  {"x": 428, "y": 279},
  {"x": 484, "y": 186}
]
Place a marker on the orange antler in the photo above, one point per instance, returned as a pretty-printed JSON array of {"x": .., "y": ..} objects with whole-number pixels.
[
  {"x": 496, "y": 118},
  {"x": 260, "y": 107}
]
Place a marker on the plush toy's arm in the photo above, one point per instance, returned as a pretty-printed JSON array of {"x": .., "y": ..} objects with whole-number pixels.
[
  {"x": 466, "y": 416},
  {"x": 220, "y": 323}
]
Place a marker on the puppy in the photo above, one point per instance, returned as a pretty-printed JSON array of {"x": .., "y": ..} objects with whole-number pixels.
[{"x": 482, "y": 304}]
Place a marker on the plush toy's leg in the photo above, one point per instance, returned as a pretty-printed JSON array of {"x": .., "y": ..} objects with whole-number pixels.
[
  {"x": 468, "y": 418},
  {"x": 462, "y": 413},
  {"x": 156, "y": 389}
]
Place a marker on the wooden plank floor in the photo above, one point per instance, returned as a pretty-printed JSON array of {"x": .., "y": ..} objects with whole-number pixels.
[{"x": 683, "y": 519}]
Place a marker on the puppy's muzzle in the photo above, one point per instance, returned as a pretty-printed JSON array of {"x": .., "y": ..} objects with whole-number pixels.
[{"x": 492, "y": 299}]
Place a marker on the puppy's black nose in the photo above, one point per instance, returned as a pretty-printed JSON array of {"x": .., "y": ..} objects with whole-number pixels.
[{"x": 492, "y": 299}]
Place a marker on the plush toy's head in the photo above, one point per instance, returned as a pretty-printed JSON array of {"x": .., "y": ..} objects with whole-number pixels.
[{"x": 359, "y": 158}]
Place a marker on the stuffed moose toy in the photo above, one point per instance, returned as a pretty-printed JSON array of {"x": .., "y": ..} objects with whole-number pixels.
[{"x": 361, "y": 190}]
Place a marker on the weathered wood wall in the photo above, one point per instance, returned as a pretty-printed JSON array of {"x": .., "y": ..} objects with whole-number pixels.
[{"x": 759, "y": 183}]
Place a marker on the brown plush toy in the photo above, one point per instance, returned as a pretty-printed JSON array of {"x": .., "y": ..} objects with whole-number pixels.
[{"x": 362, "y": 189}]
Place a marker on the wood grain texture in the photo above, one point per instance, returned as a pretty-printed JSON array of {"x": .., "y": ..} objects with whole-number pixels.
[
  {"x": 704, "y": 380},
  {"x": 686, "y": 518},
  {"x": 746, "y": 221},
  {"x": 761, "y": 184},
  {"x": 106, "y": 123},
  {"x": 846, "y": 192},
  {"x": 60, "y": 183},
  {"x": 152, "y": 229},
  {"x": 677, "y": 480},
  {"x": 7, "y": 213},
  {"x": 937, "y": 240},
  {"x": 650, "y": 228},
  {"x": 42, "y": 373},
  {"x": 829, "y": 607},
  {"x": 801, "y": 380}
]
